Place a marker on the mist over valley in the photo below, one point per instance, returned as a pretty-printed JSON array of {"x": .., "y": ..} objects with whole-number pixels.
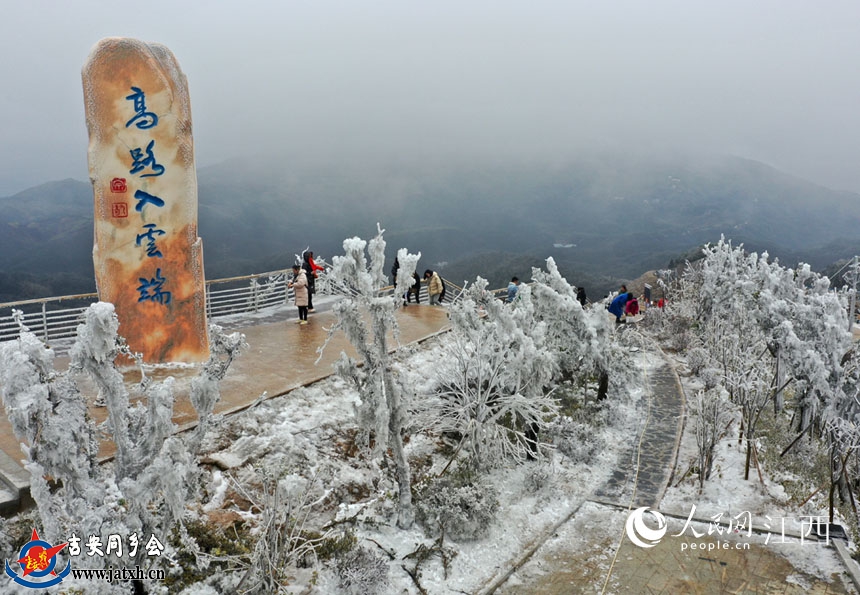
[{"x": 604, "y": 218}]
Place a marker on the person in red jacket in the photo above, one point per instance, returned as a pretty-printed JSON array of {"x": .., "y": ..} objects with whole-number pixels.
[
  {"x": 311, "y": 268},
  {"x": 632, "y": 307}
]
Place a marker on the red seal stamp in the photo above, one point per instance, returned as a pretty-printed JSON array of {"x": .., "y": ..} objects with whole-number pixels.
[
  {"x": 119, "y": 210},
  {"x": 118, "y": 186}
]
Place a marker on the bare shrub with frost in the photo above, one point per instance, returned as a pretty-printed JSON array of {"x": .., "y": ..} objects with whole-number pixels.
[
  {"x": 675, "y": 323},
  {"x": 697, "y": 360},
  {"x": 361, "y": 571},
  {"x": 576, "y": 438},
  {"x": 457, "y": 506},
  {"x": 153, "y": 473},
  {"x": 711, "y": 416},
  {"x": 538, "y": 478},
  {"x": 285, "y": 538},
  {"x": 381, "y": 411},
  {"x": 492, "y": 389},
  {"x": 710, "y": 377}
]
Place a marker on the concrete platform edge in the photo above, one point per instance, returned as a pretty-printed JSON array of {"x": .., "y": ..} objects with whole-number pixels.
[
  {"x": 850, "y": 564},
  {"x": 16, "y": 480}
]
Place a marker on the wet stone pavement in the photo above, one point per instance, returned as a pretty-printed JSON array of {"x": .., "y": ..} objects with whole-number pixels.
[{"x": 656, "y": 457}]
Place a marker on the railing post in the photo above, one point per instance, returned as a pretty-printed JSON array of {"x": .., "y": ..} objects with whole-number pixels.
[
  {"x": 45, "y": 321},
  {"x": 286, "y": 289},
  {"x": 255, "y": 294}
]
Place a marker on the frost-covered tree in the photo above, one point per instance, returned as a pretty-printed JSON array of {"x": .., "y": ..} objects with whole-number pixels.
[
  {"x": 145, "y": 489},
  {"x": 492, "y": 388},
  {"x": 729, "y": 288},
  {"x": 381, "y": 410},
  {"x": 765, "y": 328},
  {"x": 580, "y": 339}
]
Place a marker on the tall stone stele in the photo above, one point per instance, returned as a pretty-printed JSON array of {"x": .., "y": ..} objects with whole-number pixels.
[{"x": 148, "y": 258}]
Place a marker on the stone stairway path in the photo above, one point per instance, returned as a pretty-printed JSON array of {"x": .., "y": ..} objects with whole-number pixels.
[
  {"x": 645, "y": 470},
  {"x": 640, "y": 479},
  {"x": 642, "y": 474}
]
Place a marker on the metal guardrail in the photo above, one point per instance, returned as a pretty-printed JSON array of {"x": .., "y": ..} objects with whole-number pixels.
[{"x": 57, "y": 318}]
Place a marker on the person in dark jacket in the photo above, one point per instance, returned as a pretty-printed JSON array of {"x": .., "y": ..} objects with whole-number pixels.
[
  {"x": 580, "y": 296},
  {"x": 415, "y": 289},
  {"x": 310, "y": 268}
]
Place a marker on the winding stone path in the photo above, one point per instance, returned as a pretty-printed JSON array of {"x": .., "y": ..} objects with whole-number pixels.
[
  {"x": 652, "y": 452},
  {"x": 564, "y": 564},
  {"x": 654, "y": 457}
]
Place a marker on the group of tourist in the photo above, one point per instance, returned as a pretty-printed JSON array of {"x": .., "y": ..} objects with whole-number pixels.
[
  {"x": 621, "y": 306},
  {"x": 435, "y": 286},
  {"x": 303, "y": 284},
  {"x": 626, "y": 304}
]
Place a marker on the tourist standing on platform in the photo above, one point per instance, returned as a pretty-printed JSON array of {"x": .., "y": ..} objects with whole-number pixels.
[
  {"x": 301, "y": 292},
  {"x": 580, "y": 296},
  {"x": 434, "y": 287},
  {"x": 311, "y": 268},
  {"x": 415, "y": 289},
  {"x": 513, "y": 287}
]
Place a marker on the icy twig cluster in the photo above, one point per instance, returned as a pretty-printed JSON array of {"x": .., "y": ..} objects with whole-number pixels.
[
  {"x": 381, "y": 410},
  {"x": 152, "y": 477}
]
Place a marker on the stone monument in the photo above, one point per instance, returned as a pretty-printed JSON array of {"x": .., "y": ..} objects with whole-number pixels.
[{"x": 148, "y": 258}]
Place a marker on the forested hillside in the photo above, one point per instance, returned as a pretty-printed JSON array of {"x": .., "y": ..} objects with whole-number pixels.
[{"x": 604, "y": 219}]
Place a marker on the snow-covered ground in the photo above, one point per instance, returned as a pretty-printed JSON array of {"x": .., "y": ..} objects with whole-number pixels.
[
  {"x": 307, "y": 436},
  {"x": 291, "y": 483},
  {"x": 306, "y": 441},
  {"x": 727, "y": 494}
]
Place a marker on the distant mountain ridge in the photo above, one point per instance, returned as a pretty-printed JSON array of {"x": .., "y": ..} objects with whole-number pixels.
[{"x": 603, "y": 218}]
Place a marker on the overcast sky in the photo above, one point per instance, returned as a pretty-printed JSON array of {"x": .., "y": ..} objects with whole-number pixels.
[{"x": 777, "y": 81}]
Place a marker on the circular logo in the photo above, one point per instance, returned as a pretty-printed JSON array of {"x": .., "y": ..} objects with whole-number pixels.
[
  {"x": 640, "y": 533},
  {"x": 37, "y": 561}
]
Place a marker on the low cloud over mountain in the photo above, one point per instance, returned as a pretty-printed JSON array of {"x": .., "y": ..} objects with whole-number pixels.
[{"x": 602, "y": 218}]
